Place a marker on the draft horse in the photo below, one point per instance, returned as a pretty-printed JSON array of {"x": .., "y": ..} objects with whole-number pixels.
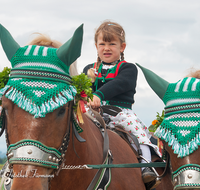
[
  {"x": 179, "y": 129},
  {"x": 38, "y": 122},
  {"x": 51, "y": 132}
]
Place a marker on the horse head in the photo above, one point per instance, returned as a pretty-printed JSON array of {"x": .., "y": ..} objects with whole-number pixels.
[
  {"x": 180, "y": 127},
  {"x": 36, "y": 105}
]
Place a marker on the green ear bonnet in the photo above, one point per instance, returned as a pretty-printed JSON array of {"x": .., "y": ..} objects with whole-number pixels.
[
  {"x": 39, "y": 81},
  {"x": 181, "y": 125}
]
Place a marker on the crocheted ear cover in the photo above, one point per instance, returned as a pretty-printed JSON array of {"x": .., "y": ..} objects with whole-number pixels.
[
  {"x": 181, "y": 125},
  {"x": 39, "y": 81}
]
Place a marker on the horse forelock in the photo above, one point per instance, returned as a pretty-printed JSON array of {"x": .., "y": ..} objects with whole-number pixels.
[{"x": 45, "y": 40}]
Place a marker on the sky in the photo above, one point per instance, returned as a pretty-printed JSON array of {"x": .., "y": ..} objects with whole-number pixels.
[{"x": 161, "y": 35}]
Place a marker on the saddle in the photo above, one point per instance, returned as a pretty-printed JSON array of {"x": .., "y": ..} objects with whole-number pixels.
[{"x": 113, "y": 111}]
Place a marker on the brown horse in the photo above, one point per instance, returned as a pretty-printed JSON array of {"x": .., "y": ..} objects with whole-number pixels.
[
  {"x": 179, "y": 129},
  {"x": 50, "y": 131},
  {"x": 185, "y": 173},
  {"x": 40, "y": 149}
]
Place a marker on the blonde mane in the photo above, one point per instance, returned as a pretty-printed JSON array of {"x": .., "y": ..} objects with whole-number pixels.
[
  {"x": 194, "y": 73},
  {"x": 44, "y": 40}
]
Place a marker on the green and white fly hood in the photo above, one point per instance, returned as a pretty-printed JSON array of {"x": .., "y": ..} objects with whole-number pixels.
[
  {"x": 39, "y": 81},
  {"x": 181, "y": 125}
]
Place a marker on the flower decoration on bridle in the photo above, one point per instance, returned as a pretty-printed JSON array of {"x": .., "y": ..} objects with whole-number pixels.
[
  {"x": 4, "y": 77},
  {"x": 156, "y": 123},
  {"x": 84, "y": 92},
  {"x": 180, "y": 127}
]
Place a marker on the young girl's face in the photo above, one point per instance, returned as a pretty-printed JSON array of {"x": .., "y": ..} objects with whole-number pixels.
[{"x": 109, "y": 51}]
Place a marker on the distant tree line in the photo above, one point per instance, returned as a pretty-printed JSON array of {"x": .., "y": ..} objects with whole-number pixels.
[{"x": 3, "y": 160}]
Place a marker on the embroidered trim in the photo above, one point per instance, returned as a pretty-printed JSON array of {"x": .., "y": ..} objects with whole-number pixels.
[
  {"x": 185, "y": 108},
  {"x": 15, "y": 73}
]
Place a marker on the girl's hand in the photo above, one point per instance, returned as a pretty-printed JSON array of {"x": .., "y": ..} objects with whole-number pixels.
[{"x": 95, "y": 103}]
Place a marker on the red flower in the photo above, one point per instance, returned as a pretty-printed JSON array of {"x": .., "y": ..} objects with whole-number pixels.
[{"x": 83, "y": 94}]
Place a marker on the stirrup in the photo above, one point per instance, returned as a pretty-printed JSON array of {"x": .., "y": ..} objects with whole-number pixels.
[
  {"x": 148, "y": 175},
  {"x": 151, "y": 167},
  {"x": 153, "y": 184}
]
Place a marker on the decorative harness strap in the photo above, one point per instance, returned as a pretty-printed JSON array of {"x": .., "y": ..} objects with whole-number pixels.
[{"x": 107, "y": 157}]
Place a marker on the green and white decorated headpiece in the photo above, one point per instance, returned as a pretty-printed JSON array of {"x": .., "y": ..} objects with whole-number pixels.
[
  {"x": 39, "y": 81},
  {"x": 180, "y": 127}
]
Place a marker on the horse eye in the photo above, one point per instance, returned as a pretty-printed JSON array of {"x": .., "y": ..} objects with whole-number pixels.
[{"x": 61, "y": 111}]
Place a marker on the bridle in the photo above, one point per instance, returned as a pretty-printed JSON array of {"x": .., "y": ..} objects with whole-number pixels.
[
  {"x": 28, "y": 151},
  {"x": 33, "y": 152},
  {"x": 186, "y": 176}
]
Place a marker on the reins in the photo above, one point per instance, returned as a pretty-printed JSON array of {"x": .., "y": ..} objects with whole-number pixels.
[
  {"x": 106, "y": 151},
  {"x": 112, "y": 110},
  {"x": 2, "y": 121}
]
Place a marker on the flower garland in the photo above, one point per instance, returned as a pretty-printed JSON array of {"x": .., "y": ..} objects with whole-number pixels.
[
  {"x": 152, "y": 128},
  {"x": 4, "y": 76},
  {"x": 84, "y": 93},
  {"x": 156, "y": 123}
]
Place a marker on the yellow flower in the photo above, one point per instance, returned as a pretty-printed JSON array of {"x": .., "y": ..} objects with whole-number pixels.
[{"x": 154, "y": 122}]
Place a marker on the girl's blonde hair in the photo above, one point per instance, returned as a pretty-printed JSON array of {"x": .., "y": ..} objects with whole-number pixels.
[
  {"x": 110, "y": 31},
  {"x": 44, "y": 40}
]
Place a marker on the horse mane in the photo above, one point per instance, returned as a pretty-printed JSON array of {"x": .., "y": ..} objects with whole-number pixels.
[
  {"x": 45, "y": 40},
  {"x": 194, "y": 73}
]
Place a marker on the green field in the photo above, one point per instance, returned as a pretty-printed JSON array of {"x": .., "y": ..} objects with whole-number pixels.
[{"x": 1, "y": 165}]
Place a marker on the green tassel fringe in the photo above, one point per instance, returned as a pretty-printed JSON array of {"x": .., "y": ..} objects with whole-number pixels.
[
  {"x": 26, "y": 104},
  {"x": 180, "y": 150}
]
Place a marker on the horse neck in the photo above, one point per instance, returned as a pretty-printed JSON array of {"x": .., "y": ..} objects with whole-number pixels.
[{"x": 89, "y": 151}]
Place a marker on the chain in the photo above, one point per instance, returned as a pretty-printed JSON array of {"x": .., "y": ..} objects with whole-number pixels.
[{"x": 71, "y": 167}]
